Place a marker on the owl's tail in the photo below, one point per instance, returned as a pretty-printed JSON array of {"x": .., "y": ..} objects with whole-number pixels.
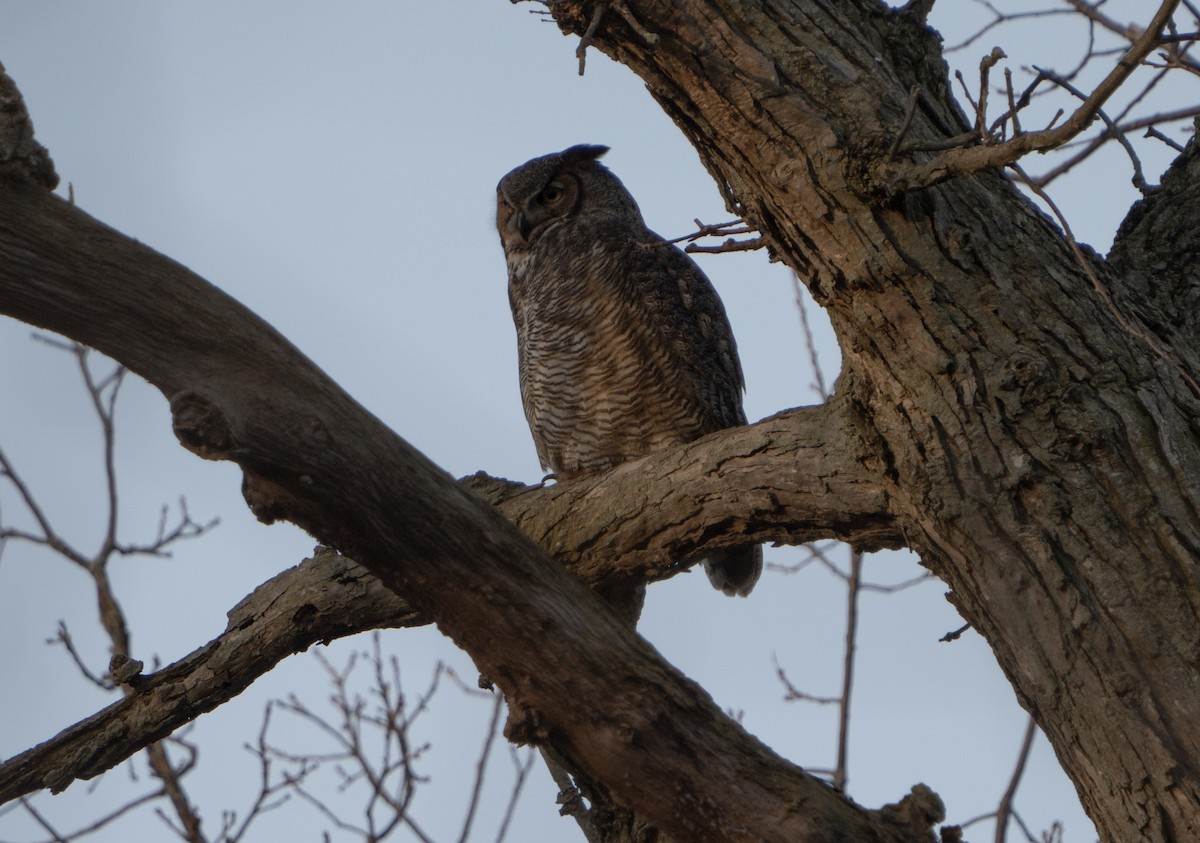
[{"x": 735, "y": 570}]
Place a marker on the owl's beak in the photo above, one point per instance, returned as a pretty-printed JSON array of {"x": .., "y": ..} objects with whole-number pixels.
[
  {"x": 512, "y": 223},
  {"x": 522, "y": 226}
]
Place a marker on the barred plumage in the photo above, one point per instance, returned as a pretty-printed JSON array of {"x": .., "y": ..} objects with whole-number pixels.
[{"x": 624, "y": 346}]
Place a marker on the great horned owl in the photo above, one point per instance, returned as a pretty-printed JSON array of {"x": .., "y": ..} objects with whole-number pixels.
[{"x": 624, "y": 346}]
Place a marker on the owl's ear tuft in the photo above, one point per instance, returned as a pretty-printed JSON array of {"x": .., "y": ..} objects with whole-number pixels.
[{"x": 584, "y": 152}]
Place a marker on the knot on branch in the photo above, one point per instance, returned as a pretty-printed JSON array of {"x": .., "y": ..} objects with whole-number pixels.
[
  {"x": 271, "y": 502},
  {"x": 915, "y": 814},
  {"x": 201, "y": 426},
  {"x": 22, "y": 159},
  {"x": 123, "y": 670},
  {"x": 525, "y": 724}
]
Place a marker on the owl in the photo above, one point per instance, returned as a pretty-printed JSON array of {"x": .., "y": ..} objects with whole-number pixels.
[{"x": 624, "y": 346}]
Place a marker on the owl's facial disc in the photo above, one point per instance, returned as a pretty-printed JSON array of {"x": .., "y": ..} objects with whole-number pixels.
[{"x": 526, "y": 208}]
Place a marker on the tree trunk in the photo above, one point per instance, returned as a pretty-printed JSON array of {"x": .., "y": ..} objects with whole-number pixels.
[{"x": 1037, "y": 408}]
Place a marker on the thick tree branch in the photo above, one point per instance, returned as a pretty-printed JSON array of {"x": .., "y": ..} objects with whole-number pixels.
[
  {"x": 795, "y": 477},
  {"x": 792, "y": 473}
]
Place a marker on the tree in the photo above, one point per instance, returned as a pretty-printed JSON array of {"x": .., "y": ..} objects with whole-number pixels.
[{"x": 1017, "y": 410}]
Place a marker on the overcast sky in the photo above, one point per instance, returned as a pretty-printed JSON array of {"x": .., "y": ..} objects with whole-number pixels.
[{"x": 332, "y": 166}]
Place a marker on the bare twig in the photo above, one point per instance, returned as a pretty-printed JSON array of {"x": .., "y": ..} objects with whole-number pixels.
[
  {"x": 914, "y": 95},
  {"x": 1155, "y": 133},
  {"x": 588, "y": 34},
  {"x": 385, "y": 774},
  {"x": 103, "y": 392},
  {"x": 64, "y": 638},
  {"x": 841, "y": 772},
  {"x": 730, "y": 245},
  {"x": 569, "y": 799},
  {"x": 49, "y": 537},
  {"x": 713, "y": 230},
  {"x": 955, "y": 634},
  {"x": 999, "y": 19},
  {"x": 522, "y": 767},
  {"x": 969, "y": 159},
  {"x": 794, "y": 694},
  {"x": 481, "y": 768},
  {"x": 624, "y": 11},
  {"x": 985, "y": 66},
  {"x": 718, "y": 230},
  {"x": 1004, "y": 810},
  {"x": 1113, "y": 130},
  {"x": 43, "y": 822},
  {"x": 810, "y": 342},
  {"x": 1012, "y": 105},
  {"x": 83, "y": 831}
]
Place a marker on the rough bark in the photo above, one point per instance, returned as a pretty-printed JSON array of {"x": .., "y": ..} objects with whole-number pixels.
[
  {"x": 1041, "y": 440},
  {"x": 598, "y": 527}
]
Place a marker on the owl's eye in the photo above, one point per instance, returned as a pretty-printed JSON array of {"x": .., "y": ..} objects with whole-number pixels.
[{"x": 552, "y": 193}]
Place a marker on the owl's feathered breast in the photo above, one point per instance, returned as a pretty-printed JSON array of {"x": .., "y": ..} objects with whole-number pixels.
[{"x": 624, "y": 346}]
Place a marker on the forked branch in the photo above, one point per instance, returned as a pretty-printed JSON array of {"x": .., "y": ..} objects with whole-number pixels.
[{"x": 892, "y": 177}]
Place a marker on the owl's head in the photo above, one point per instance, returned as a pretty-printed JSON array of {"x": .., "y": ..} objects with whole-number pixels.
[{"x": 556, "y": 187}]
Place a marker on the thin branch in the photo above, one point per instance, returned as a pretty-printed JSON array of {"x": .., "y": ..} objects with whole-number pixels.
[
  {"x": 586, "y": 40},
  {"x": 481, "y": 768},
  {"x": 730, "y": 245},
  {"x": 1004, "y": 810},
  {"x": 794, "y": 694},
  {"x": 985, "y": 66},
  {"x": 713, "y": 230},
  {"x": 43, "y": 822},
  {"x": 718, "y": 230},
  {"x": 171, "y": 778},
  {"x": 104, "y": 407},
  {"x": 914, "y": 95},
  {"x": 810, "y": 342},
  {"x": 840, "y": 775},
  {"x": 569, "y": 799},
  {"x": 49, "y": 537},
  {"x": 894, "y": 178},
  {"x": 998, "y": 19},
  {"x": 1155, "y": 133},
  {"x": 955, "y": 634},
  {"x": 106, "y": 819},
  {"x": 522, "y": 775},
  {"x": 1113, "y": 130},
  {"x": 64, "y": 638}
]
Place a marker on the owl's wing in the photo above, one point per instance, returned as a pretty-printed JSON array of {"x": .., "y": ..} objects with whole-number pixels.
[{"x": 690, "y": 332}]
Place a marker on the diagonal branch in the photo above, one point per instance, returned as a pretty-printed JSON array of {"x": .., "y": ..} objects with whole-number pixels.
[{"x": 602, "y": 528}]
